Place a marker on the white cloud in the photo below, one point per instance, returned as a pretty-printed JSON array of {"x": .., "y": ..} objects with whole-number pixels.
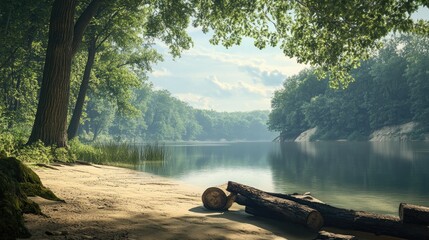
[
  {"x": 262, "y": 61},
  {"x": 221, "y": 85},
  {"x": 255, "y": 89},
  {"x": 163, "y": 72},
  {"x": 196, "y": 101}
]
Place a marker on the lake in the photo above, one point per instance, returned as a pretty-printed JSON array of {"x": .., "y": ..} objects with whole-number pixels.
[{"x": 371, "y": 176}]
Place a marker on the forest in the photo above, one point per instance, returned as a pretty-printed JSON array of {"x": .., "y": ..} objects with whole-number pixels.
[
  {"x": 79, "y": 69},
  {"x": 110, "y": 96},
  {"x": 390, "y": 88}
]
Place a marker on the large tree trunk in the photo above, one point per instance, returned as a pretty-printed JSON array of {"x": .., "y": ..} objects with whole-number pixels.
[
  {"x": 51, "y": 116},
  {"x": 50, "y": 124},
  {"x": 77, "y": 112}
]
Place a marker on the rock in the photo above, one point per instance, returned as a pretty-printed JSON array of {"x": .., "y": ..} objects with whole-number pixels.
[
  {"x": 305, "y": 136},
  {"x": 394, "y": 133}
]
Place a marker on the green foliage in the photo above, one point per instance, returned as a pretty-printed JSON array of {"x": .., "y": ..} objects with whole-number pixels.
[
  {"x": 329, "y": 35},
  {"x": 390, "y": 88},
  {"x": 287, "y": 114},
  {"x": 8, "y": 144},
  {"x": 63, "y": 155},
  {"x": 35, "y": 153}
]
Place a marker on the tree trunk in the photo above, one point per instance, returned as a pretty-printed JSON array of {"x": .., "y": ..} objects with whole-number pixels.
[
  {"x": 414, "y": 214},
  {"x": 51, "y": 116},
  {"x": 287, "y": 209},
  {"x": 77, "y": 112},
  {"x": 354, "y": 220}
]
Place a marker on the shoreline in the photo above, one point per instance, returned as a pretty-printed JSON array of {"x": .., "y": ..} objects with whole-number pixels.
[{"x": 104, "y": 202}]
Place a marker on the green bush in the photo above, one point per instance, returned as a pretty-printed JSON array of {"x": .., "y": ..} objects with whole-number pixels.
[
  {"x": 8, "y": 144},
  {"x": 35, "y": 153}
]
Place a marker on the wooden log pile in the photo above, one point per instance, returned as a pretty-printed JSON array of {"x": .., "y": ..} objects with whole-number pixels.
[{"x": 306, "y": 210}]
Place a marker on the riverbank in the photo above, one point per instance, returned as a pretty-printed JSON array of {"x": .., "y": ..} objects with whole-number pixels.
[{"x": 104, "y": 202}]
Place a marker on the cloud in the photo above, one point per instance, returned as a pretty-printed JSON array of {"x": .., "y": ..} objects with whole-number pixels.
[
  {"x": 241, "y": 78},
  {"x": 218, "y": 88},
  {"x": 265, "y": 61},
  {"x": 221, "y": 85},
  {"x": 254, "y": 89},
  {"x": 268, "y": 78},
  {"x": 196, "y": 101},
  {"x": 163, "y": 72}
]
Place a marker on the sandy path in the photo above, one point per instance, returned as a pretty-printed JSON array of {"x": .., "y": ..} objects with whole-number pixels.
[{"x": 105, "y": 202}]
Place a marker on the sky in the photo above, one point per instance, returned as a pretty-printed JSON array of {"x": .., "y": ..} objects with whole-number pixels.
[{"x": 240, "y": 78}]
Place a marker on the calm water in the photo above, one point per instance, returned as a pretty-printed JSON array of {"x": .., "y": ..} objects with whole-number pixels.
[{"x": 359, "y": 175}]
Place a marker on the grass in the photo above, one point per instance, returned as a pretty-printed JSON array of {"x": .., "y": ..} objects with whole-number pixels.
[{"x": 120, "y": 154}]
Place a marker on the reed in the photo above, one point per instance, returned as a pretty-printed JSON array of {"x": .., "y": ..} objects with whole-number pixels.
[{"x": 122, "y": 154}]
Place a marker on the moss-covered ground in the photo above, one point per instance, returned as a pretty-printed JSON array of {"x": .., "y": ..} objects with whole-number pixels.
[{"x": 17, "y": 181}]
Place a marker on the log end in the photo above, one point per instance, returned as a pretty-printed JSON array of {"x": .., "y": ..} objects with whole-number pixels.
[
  {"x": 315, "y": 220},
  {"x": 214, "y": 198},
  {"x": 415, "y": 214},
  {"x": 401, "y": 211}
]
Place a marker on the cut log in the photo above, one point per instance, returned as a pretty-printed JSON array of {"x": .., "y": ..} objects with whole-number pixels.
[
  {"x": 215, "y": 198},
  {"x": 288, "y": 210},
  {"x": 409, "y": 213},
  {"x": 323, "y": 235},
  {"x": 262, "y": 212},
  {"x": 350, "y": 219}
]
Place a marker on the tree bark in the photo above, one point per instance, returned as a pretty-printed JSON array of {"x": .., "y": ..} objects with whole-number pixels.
[
  {"x": 50, "y": 124},
  {"x": 355, "y": 220},
  {"x": 287, "y": 209},
  {"x": 51, "y": 116},
  {"x": 409, "y": 213},
  {"x": 78, "y": 109},
  {"x": 323, "y": 235},
  {"x": 83, "y": 22}
]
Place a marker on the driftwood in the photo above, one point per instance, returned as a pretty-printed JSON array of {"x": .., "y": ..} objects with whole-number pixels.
[
  {"x": 216, "y": 198},
  {"x": 338, "y": 217},
  {"x": 282, "y": 208},
  {"x": 409, "y": 213},
  {"x": 323, "y": 235}
]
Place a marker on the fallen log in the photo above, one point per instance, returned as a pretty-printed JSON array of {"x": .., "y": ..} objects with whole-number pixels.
[
  {"x": 409, "y": 213},
  {"x": 323, "y": 235},
  {"x": 284, "y": 208},
  {"x": 215, "y": 198},
  {"x": 344, "y": 218}
]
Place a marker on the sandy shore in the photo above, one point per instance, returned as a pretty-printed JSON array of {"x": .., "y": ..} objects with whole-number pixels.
[{"x": 104, "y": 202}]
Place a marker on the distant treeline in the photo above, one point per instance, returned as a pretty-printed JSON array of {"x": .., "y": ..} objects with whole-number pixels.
[
  {"x": 158, "y": 116},
  {"x": 390, "y": 88}
]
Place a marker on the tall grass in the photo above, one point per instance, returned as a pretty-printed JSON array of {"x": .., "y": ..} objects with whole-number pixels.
[{"x": 122, "y": 154}]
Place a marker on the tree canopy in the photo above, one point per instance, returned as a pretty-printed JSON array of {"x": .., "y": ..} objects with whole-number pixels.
[
  {"x": 390, "y": 89},
  {"x": 331, "y": 35}
]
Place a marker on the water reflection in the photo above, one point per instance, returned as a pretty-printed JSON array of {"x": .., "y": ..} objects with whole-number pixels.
[
  {"x": 361, "y": 175},
  {"x": 364, "y": 175}
]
